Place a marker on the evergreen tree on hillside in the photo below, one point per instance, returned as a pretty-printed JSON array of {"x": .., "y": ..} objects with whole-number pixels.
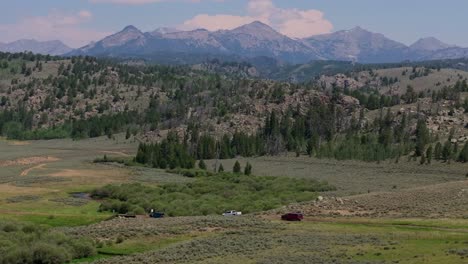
[
  {"x": 221, "y": 168},
  {"x": 463, "y": 156},
  {"x": 202, "y": 165},
  {"x": 438, "y": 151},
  {"x": 127, "y": 133},
  {"x": 422, "y": 137},
  {"x": 455, "y": 152},
  {"x": 248, "y": 169},
  {"x": 423, "y": 159},
  {"x": 429, "y": 154},
  {"x": 447, "y": 151},
  {"x": 237, "y": 167}
]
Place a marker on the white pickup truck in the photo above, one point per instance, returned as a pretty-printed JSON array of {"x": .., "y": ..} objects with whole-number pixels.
[{"x": 232, "y": 213}]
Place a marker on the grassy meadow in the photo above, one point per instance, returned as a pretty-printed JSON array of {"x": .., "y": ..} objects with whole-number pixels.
[{"x": 47, "y": 183}]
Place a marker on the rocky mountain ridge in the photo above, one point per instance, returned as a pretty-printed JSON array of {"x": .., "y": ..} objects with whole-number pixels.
[
  {"x": 260, "y": 40},
  {"x": 53, "y": 47}
]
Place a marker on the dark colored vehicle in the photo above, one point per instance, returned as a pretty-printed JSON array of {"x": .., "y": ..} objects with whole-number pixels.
[
  {"x": 292, "y": 217},
  {"x": 156, "y": 215}
]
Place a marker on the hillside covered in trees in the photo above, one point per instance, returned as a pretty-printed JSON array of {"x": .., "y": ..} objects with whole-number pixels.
[{"x": 184, "y": 113}]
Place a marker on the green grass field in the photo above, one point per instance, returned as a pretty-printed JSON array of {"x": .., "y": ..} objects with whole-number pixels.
[
  {"x": 353, "y": 177},
  {"x": 52, "y": 182},
  {"x": 318, "y": 241},
  {"x": 40, "y": 191}
]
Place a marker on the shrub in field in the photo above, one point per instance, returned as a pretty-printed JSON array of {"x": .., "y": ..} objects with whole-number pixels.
[
  {"x": 43, "y": 252},
  {"x": 191, "y": 173},
  {"x": 210, "y": 195},
  {"x": 106, "y": 159},
  {"x": 23, "y": 198},
  {"x": 33, "y": 244}
]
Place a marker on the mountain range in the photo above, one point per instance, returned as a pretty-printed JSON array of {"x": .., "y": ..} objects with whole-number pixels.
[
  {"x": 260, "y": 40},
  {"x": 251, "y": 40},
  {"x": 54, "y": 47},
  {"x": 247, "y": 42}
]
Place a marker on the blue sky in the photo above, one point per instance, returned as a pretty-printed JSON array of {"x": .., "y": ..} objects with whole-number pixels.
[{"x": 76, "y": 22}]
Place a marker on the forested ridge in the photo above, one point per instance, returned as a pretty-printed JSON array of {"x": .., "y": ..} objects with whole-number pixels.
[{"x": 214, "y": 114}]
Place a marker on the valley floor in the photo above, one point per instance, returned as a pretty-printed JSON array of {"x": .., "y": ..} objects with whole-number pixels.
[{"x": 380, "y": 213}]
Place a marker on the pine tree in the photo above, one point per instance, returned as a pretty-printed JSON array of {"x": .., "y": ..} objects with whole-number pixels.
[
  {"x": 429, "y": 154},
  {"x": 422, "y": 137},
  {"x": 127, "y": 134},
  {"x": 237, "y": 167},
  {"x": 248, "y": 169},
  {"x": 310, "y": 148},
  {"x": 447, "y": 151},
  {"x": 298, "y": 149},
  {"x": 23, "y": 68},
  {"x": 225, "y": 148},
  {"x": 202, "y": 165},
  {"x": 455, "y": 152},
  {"x": 423, "y": 159},
  {"x": 438, "y": 151},
  {"x": 109, "y": 134},
  {"x": 463, "y": 157}
]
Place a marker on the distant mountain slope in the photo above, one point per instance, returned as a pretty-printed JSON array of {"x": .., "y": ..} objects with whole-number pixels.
[
  {"x": 358, "y": 44},
  {"x": 54, "y": 47},
  {"x": 430, "y": 44},
  {"x": 260, "y": 40},
  {"x": 450, "y": 53},
  {"x": 257, "y": 39},
  {"x": 128, "y": 40}
]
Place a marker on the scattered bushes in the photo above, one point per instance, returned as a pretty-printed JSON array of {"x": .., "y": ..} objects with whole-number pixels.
[
  {"x": 191, "y": 173},
  {"x": 119, "y": 160},
  {"x": 23, "y": 198},
  {"x": 209, "y": 194},
  {"x": 25, "y": 243}
]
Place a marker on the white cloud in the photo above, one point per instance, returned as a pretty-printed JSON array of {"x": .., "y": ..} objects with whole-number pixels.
[
  {"x": 85, "y": 14},
  {"x": 56, "y": 25},
  {"x": 292, "y": 22}
]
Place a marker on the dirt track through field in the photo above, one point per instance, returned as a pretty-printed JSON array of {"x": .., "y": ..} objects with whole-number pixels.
[
  {"x": 27, "y": 161},
  {"x": 19, "y": 143},
  {"x": 27, "y": 171}
]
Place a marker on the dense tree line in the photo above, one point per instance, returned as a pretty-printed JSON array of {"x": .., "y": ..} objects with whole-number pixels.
[
  {"x": 170, "y": 153},
  {"x": 315, "y": 134},
  {"x": 18, "y": 125},
  {"x": 102, "y": 125}
]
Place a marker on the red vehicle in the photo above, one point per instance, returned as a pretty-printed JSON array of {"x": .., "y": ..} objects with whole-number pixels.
[{"x": 292, "y": 217}]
